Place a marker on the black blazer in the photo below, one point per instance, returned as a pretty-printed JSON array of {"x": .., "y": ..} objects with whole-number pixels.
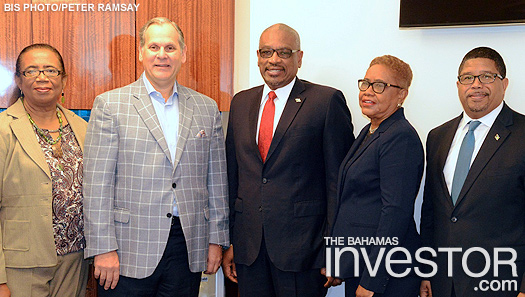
[
  {"x": 290, "y": 195},
  {"x": 490, "y": 211},
  {"x": 378, "y": 184}
]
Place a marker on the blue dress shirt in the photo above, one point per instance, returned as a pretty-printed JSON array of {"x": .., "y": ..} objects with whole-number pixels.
[{"x": 168, "y": 115}]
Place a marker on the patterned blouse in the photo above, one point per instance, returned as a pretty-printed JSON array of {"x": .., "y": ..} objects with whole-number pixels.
[{"x": 66, "y": 176}]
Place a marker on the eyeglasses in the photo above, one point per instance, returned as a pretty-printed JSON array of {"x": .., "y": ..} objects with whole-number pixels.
[
  {"x": 378, "y": 87},
  {"x": 484, "y": 78},
  {"x": 283, "y": 53},
  {"x": 49, "y": 72}
]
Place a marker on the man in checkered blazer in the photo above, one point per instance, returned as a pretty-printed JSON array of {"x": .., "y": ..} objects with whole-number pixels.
[{"x": 155, "y": 183}]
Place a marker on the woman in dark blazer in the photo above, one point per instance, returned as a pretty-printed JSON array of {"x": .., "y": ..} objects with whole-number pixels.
[{"x": 378, "y": 183}]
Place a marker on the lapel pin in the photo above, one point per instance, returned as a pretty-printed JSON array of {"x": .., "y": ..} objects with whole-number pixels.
[
  {"x": 298, "y": 100},
  {"x": 496, "y": 137}
]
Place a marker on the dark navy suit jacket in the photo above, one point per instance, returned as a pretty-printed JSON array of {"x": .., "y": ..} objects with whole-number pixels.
[
  {"x": 291, "y": 195},
  {"x": 378, "y": 184},
  {"x": 490, "y": 211}
]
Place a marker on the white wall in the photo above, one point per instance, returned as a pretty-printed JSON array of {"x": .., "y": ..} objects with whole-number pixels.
[{"x": 340, "y": 38}]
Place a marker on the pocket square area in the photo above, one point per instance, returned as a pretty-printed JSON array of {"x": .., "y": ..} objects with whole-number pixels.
[{"x": 201, "y": 133}]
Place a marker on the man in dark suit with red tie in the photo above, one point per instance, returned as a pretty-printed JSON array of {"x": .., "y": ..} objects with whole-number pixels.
[
  {"x": 285, "y": 142},
  {"x": 475, "y": 186}
]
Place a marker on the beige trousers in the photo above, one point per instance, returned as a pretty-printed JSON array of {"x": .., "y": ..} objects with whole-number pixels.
[{"x": 67, "y": 279}]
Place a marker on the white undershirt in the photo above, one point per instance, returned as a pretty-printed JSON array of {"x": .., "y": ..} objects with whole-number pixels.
[{"x": 480, "y": 134}]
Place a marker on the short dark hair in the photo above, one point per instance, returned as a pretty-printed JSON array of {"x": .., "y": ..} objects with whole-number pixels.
[
  {"x": 487, "y": 53},
  {"x": 18, "y": 69}
]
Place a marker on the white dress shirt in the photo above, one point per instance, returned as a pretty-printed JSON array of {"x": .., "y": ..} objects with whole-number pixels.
[
  {"x": 280, "y": 102},
  {"x": 480, "y": 134}
]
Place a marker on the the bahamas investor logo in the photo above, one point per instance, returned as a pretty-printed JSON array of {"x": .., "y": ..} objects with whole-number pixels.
[{"x": 422, "y": 262}]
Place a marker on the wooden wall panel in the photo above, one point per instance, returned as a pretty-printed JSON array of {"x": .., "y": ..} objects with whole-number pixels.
[
  {"x": 208, "y": 32},
  {"x": 100, "y": 49},
  {"x": 12, "y": 43},
  {"x": 226, "y": 45}
]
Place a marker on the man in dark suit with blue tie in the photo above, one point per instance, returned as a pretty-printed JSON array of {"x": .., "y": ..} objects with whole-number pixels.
[
  {"x": 285, "y": 142},
  {"x": 475, "y": 186}
]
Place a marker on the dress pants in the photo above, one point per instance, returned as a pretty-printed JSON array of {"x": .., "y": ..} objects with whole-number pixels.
[
  {"x": 172, "y": 277},
  {"x": 67, "y": 278},
  {"x": 263, "y": 279}
]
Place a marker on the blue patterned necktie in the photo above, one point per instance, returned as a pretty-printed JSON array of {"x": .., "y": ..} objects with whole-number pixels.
[{"x": 464, "y": 158}]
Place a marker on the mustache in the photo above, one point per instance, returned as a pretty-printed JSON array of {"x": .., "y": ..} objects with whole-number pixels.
[{"x": 477, "y": 93}]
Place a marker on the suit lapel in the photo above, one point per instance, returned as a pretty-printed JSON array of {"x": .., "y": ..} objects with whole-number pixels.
[
  {"x": 25, "y": 134},
  {"x": 185, "y": 119},
  {"x": 356, "y": 144},
  {"x": 357, "y": 148},
  {"x": 146, "y": 111},
  {"x": 290, "y": 111},
  {"x": 488, "y": 148},
  {"x": 253, "y": 117},
  {"x": 383, "y": 127},
  {"x": 350, "y": 156},
  {"x": 361, "y": 148},
  {"x": 444, "y": 148}
]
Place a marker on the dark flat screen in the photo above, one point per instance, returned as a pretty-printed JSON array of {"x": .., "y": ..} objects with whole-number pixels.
[{"x": 429, "y": 13}]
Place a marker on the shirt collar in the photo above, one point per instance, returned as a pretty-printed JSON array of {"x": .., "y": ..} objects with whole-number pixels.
[
  {"x": 282, "y": 93},
  {"x": 151, "y": 90},
  {"x": 487, "y": 120}
]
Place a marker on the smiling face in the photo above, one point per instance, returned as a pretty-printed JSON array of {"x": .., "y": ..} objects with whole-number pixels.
[
  {"x": 40, "y": 90},
  {"x": 278, "y": 72},
  {"x": 378, "y": 107},
  {"x": 480, "y": 99},
  {"x": 162, "y": 55}
]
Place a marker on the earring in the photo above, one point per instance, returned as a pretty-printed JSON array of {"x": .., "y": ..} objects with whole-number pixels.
[
  {"x": 62, "y": 99},
  {"x": 21, "y": 97},
  {"x": 399, "y": 105}
]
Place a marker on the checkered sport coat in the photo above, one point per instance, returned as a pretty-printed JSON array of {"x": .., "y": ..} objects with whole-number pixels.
[{"x": 129, "y": 179}]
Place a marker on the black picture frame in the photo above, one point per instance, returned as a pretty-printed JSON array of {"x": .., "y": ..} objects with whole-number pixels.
[{"x": 432, "y": 13}]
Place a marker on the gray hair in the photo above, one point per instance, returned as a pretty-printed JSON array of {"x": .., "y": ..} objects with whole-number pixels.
[{"x": 160, "y": 21}]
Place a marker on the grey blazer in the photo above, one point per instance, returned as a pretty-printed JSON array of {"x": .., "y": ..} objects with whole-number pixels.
[{"x": 129, "y": 179}]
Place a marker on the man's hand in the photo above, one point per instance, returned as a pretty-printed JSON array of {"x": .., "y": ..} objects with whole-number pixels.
[
  {"x": 214, "y": 258},
  {"x": 425, "y": 289},
  {"x": 331, "y": 281},
  {"x": 228, "y": 266},
  {"x": 4, "y": 291},
  {"x": 362, "y": 292},
  {"x": 107, "y": 269},
  {"x": 521, "y": 295}
]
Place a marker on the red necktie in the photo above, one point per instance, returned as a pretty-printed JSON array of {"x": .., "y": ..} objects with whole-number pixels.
[{"x": 266, "y": 127}]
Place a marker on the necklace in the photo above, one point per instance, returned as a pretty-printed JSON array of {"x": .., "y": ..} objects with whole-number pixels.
[
  {"x": 56, "y": 146},
  {"x": 372, "y": 130}
]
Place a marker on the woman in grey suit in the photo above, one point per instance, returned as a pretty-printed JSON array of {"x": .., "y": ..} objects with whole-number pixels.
[
  {"x": 378, "y": 184},
  {"x": 41, "y": 160}
]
